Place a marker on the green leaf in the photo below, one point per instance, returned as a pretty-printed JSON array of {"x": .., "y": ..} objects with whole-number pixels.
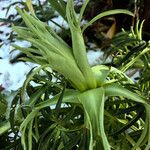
[
  {"x": 12, "y": 113},
  {"x": 70, "y": 96},
  {"x": 30, "y": 135},
  {"x": 24, "y": 130},
  {"x": 30, "y": 6},
  {"x": 83, "y": 9},
  {"x": 59, "y": 6},
  {"x": 100, "y": 73},
  {"x": 52, "y": 48},
  {"x": 59, "y": 102},
  {"x": 79, "y": 49},
  {"x": 117, "y": 90},
  {"x": 107, "y": 13},
  {"x": 129, "y": 64},
  {"x": 4, "y": 127},
  {"x": 3, "y": 106},
  {"x": 35, "y": 96},
  {"x": 93, "y": 104}
]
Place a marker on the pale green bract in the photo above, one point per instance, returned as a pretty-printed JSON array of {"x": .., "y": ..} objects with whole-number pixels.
[{"x": 90, "y": 84}]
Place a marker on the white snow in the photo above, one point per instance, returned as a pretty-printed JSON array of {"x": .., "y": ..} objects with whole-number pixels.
[
  {"x": 94, "y": 57},
  {"x": 12, "y": 76},
  {"x": 60, "y": 21}
]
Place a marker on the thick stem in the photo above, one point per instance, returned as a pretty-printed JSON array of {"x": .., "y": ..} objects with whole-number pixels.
[{"x": 93, "y": 104}]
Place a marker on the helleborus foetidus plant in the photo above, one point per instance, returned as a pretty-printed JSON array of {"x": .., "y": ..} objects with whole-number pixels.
[{"x": 91, "y": 85}]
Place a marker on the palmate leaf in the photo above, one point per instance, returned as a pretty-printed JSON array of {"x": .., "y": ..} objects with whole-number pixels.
[
  {"x": 32, "y": 55},
  {"x": 56, "y": 52},
  {"x": 38, "y": 29},
  {"x": 53, "y": 48}
]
